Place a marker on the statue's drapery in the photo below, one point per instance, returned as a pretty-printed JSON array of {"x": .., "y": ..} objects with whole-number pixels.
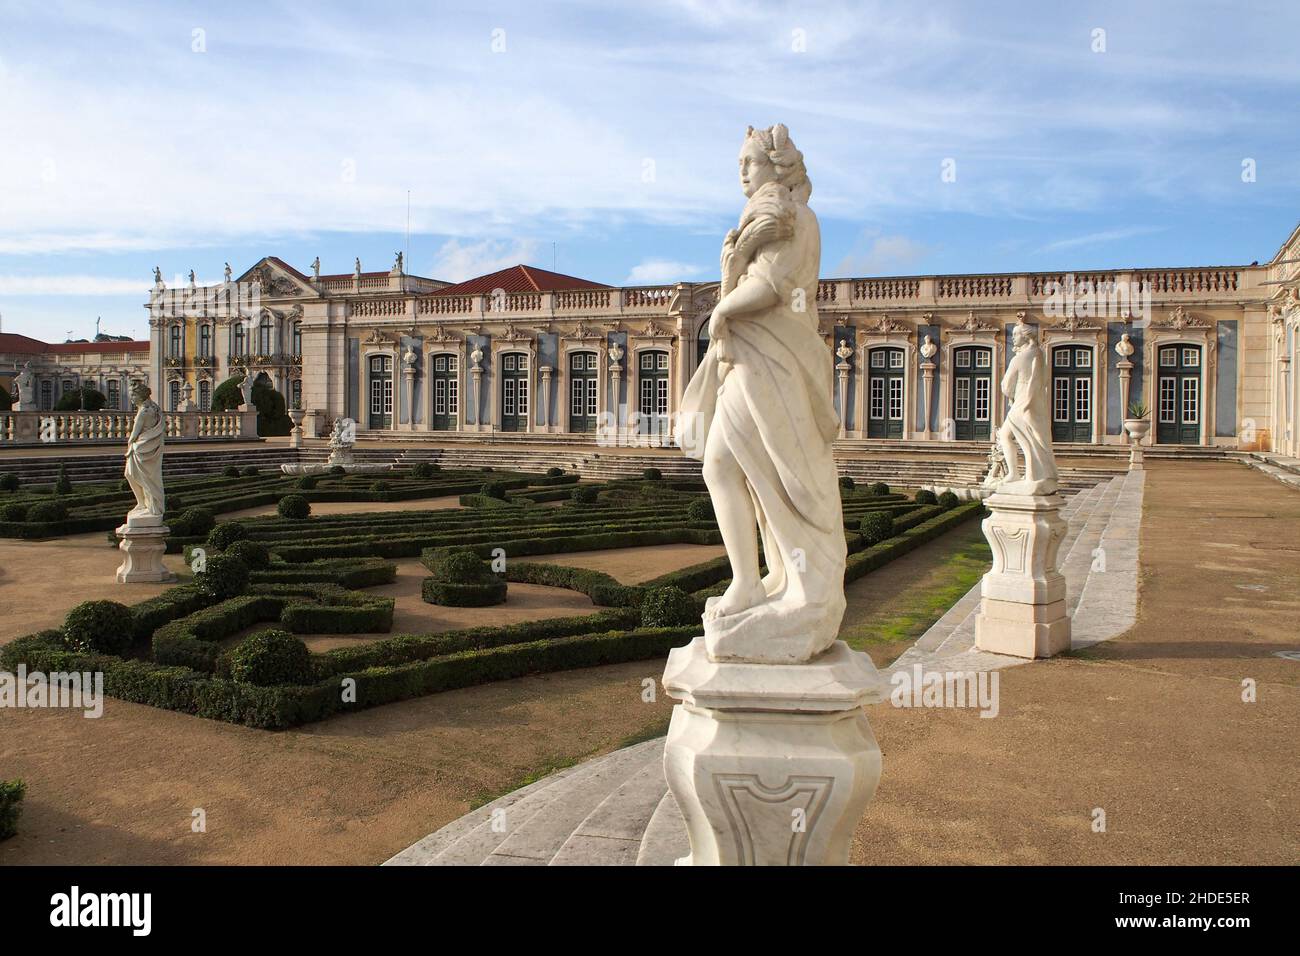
[
  {"x": 770, "y": 402},
  {"x": 144, "y": 462}
]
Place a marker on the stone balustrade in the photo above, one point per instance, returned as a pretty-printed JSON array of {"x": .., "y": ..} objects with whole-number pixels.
[{"x": 45, "y": 428}]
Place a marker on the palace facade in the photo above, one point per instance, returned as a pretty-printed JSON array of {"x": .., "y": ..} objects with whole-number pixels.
[
  {"x": 917, "y": 358},
  {"x": 108, "y": 364}
]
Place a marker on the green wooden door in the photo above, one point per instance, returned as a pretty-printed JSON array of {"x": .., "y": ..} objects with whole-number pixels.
[
  {"x": 972, "y": 392},
  {"x": 1072, "y": 398},
  {"x": 444, "y": 384},
  {"x": 1178, "y": 395},
  {"x": 885, "y": 368},
  {"x": 584, "y": 380},
  {"x": 514, "y": 391}
]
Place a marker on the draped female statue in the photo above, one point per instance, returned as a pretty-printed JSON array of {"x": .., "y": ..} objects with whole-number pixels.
[
  {"x": 144, "y": 452},
  {"x": 1029, "y": 418},
  {"x": 759, "y": 414}
]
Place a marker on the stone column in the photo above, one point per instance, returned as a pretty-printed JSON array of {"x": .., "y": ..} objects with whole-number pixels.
[
  {"x": 408, "y": 373},
  {"x": 476, "y": 388},
  {"x": 927, "y": 399},
  {"x": 842, "y": 370},
  {"x": 771, "y": 764},
  {"x": 544, "y": 397}
]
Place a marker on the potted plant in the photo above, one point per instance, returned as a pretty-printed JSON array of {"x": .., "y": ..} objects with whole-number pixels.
[{"x": 1137, "y": 424}]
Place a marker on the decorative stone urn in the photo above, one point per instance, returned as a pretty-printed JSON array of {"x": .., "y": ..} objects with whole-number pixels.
[
  {"x": 296, "y": 415},
  {"x": 1137, "y": 428}
]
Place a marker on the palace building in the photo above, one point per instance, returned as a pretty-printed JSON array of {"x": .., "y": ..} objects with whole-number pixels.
[
  {"x": 110, "y": 365},
  {"x": 525, "y": 351}
]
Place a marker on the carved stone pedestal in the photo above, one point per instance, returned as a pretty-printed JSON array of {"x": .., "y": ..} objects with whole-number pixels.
[
  {"x": 142, "y": 548},
  {"x": 771, "y": 764},
  {"x": 1023, "y": 608}
]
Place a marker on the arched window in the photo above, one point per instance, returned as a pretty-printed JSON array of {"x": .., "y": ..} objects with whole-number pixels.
[
  {"x": 241, "y": 339},
  {"x": 205, "y": 341},
  {"x": 114, "y": 393},
  {"x": 295, "y": 393},
  {"x": 205, "y": 396},
  {"x": 47, "y": 395},
  {"x": 266, "y": 338},
  {"x": 297, "y": 339},
  {"x": 174, "y": 348},
  {"x": 173, "y": 395}
]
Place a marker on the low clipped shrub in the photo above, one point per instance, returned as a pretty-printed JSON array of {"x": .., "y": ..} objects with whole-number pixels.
[
  {"x": 550, "y": 473},
  {"x": 231, "y": 471},
  {"x": 669, "y": 607},
  {"x": 306, "y": 482},
  {"x": 701, "y": 509},
  {"x": 193, "y": 523},
  {"x": 926, "y": 497},
  {"x": 381, "y": 486},
  {"x": 294, "y": 506},
  {"x": 226, "y": 534},
  {"x": 424, "y": 470},
  {"x": 224, "y": 577},
  {"x": 63, "y": 484},
  {"x": 585, "y": 494},
  {"x": 13, "y": 511},
  {"x": 270, "y": 658},
  {"x": 105, "y": 627},
  {"x": 652, "y": 474},
  {"x": 846, "y": 483},
  {"x": 462, "y": 579},
  {"x": 948, "y": 500},
  {"x": 876, "y": 526},
  {"x": 252, "y": 471},
  {"x": 877, "y": 488},
  {"x": 47, "y": 511},
  {"x": 9, "y": 481},
  {"x": 11, "y": 800},
  {"x": 253, "y": 553},
  {"x": 494, "y": 489},
  {"x": 338, "y": 470}
]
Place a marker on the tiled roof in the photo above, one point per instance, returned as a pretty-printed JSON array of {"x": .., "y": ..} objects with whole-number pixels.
[
  {"x": 25, "y": 345},
  {"x": 520, "y": 278}
]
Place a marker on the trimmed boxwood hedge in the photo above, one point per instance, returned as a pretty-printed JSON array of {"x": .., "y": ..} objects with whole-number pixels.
[
  {"x": 104, "y": 626},
  {"x": 271, "y": 659},
  {"x": 11, "y": 799}
]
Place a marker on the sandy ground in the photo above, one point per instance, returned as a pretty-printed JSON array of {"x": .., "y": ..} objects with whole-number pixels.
[
  {"x": 635, "y": 565},
  {"x": 1150, "y": 727},
  {"x": 352, "y": 507}
]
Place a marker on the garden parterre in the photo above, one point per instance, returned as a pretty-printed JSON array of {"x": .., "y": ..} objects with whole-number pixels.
[{"x": 309, "y": 575}]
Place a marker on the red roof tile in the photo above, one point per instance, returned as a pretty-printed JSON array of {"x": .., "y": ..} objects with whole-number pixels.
[
  {"x": 520, "y": 278},
  {"x": 25, "y": 345},
  {"x": 13, "y": 342}
]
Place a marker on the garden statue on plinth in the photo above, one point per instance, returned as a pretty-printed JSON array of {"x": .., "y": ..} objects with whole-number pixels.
[
  {"x": 143, "y": 539},
  {"x": 25, "y": 383},
  {"x": 1022, "y": 609},
  {"x": 342, "y": 437},
  {"x": 769, "y": 755}
]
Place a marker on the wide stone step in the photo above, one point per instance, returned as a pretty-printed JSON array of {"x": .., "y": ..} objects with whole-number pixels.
[{"x": 611, "y": 834}]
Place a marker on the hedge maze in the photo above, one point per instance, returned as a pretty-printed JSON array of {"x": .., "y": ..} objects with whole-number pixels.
[{"x": 309, "y": 575}]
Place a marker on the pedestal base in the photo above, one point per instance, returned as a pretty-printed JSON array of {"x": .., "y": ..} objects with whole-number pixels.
[
  {"x": 771, "y": 764},
  {"x": 142, "y": 550},
  {"x": 1022, "y": 608}
]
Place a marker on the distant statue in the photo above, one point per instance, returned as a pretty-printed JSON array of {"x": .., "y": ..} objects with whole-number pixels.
[
  {"x": 228, "y": 273},
  {"x": 615, "y": 356},
  {"x": 26, "y": 383},
  {"x": 144, "y": 453},
  {"x": 929, "y": 349},
  {"x": 759, "y": 414},
  {"x": 1029, "y": 418},
  {"x": 245, "y": 385},
  {"x": 398, "y": 266},
  {"x": 476, "y": 358},
  {"x": 193, "y": 279},
  {"x": 845, "y": 352},
  {"x": 357, "y": 269},
  {"x": 157, "y": 278},
  {"x": 997, "y": 466},
  {"x": 343, "y": 435},
  {"x": 315, "y": 268}
]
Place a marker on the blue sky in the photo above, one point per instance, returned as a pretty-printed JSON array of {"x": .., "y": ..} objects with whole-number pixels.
[{"x": 601, "y": 138}]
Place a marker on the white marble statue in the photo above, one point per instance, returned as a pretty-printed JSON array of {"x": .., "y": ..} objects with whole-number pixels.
[
  {"x": 25, "y": 382},
  {"x": 1029, "y": 418},
  {"x": 929, "y": 349},
  {"x": 144, "y": 454},
  {"x": 315, "y": 268},
  {"x": 997, "y": 472},
  {"x": 476, "y": 358},
  {"x": 1124, "y": 347},
  {"x": 759, "y": 414},
  {"x": 246, "y": 386}
]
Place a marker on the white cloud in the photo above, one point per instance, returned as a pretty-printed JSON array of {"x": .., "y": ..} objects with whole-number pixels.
[
  {"x": 457, "y": 261},
  {"x": 887, "y": 255},
  {"x": 661, "y": 271},
  {"x": 1094, "y": 238},
  {"x": 73, "y": 285}
]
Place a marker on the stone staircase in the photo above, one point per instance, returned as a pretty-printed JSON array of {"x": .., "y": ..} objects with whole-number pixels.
[
  {"x": 615, "y": 810},
  {"x": 1279, "y": 467}
]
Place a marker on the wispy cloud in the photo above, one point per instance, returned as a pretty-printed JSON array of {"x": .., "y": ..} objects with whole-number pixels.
[
  {"x": 658, "y": 271},
  {"x": 457, "y": 260},
  {"x": 885, "y": 255},
  {"x": 60, "y": 285},
  {"x": 1096, "y": 238}
]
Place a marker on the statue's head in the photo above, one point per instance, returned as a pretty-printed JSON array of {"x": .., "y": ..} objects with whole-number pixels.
[
  {"x": 769, "y": 155},
  {"x": 1023, "y": 336},
  {"x": 140, "y": 393}
]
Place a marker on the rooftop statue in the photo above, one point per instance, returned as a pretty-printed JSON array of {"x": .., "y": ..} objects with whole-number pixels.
[{"x": 758, "y": 413}]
